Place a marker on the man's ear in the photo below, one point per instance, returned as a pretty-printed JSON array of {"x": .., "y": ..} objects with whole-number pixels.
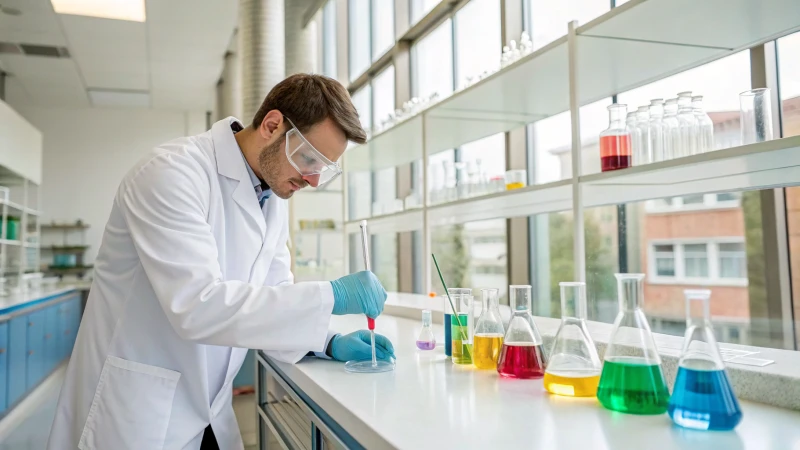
[{"x": 271, "y": 124}]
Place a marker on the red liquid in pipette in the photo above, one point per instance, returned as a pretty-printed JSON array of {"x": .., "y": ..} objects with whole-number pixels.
[
  {"x": 521, "y": 361},
  {"x": 370, "y": 323}
]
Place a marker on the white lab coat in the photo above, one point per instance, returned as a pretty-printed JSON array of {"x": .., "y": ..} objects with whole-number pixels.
[{"x": 188, "y": 261}]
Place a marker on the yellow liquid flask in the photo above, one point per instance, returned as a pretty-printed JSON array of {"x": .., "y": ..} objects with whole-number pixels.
[
  {"x": 574, "y": 367},
  {"x": 460, "y": 326},
  {"x": 488, "y": 339}
]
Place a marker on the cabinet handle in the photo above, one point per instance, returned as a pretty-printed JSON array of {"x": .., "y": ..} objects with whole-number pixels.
[
  {"x": 30, "y": 352},
  {"x": 2, "y": 350},
  {"x": 30, "y": 324},
  {"x": 47, "y": 336}
]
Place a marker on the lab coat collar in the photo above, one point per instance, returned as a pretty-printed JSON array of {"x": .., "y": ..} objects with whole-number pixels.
[{"x": 231, "y": 164}]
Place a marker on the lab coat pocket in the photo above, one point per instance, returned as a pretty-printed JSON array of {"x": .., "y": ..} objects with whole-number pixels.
[{"x": 131, "y": 407}]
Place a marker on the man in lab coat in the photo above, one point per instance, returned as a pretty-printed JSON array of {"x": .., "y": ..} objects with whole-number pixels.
[{"x": 193, "y": 270}]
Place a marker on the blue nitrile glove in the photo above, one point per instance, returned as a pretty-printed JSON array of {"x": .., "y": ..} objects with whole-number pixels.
[
  {"x": 357, "y": 346},
  {"x": 358, "y": 293}
]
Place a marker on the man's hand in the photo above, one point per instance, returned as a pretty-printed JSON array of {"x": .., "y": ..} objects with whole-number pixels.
[
  {"x": 358, "y": 293},
  {"x": 357, "y": 346}
]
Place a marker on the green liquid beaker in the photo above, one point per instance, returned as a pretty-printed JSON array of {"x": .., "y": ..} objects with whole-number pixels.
[{"x": 461, "y": 335}]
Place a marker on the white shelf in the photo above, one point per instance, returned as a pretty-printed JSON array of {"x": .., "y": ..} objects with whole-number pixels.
[
  {"x": 10, "y": 242},
  {"x": 756, "y": 166},
  {"x": 538, "y": 199},
  {"x": 410, "y": 220},
  {"x": 12, "y": 206},
  {"x": 395, "y": 146}
]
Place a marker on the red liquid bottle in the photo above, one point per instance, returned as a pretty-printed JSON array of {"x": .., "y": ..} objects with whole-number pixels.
[
  {"x": 522, "y": 355},
  {"x": 615, "y": 142}
]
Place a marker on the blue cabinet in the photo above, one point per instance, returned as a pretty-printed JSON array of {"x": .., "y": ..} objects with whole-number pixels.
[
  {"x": 35, "y": 364},
  {"x": 17, "y": 357},
  {"x": 69, "y": 317},
  {"x": 3, "y": 366},
  {"x": 51, "y": 339}
]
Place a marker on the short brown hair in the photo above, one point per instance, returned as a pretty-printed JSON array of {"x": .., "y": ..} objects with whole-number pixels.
[{"x": 308, "y": 99}]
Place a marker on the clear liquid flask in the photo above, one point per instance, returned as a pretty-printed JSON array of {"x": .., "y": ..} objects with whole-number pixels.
[
  {"x": 672, "y": 136},
  {"x": 426, "y": 339},
  {"x": 461, "y": 346},
  {"x": 655, "y": 129},
  {"x": 632, "y": 380},
  {"x": 645, "y": 155},
  {"x": 703, "y": 398},
  {"x": 705, "y": 140},
  {"x": 573, "y": 368},
  {"x": 615, "y": 141},
  {"x": 636, "y": 134},
  {"x": 687, "y": 125},
  {"x": 488, "y": 338},
  {"x": 522, "y": 355}
]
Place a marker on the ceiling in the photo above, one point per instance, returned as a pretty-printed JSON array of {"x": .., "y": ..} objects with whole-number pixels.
[{"x": 171, "y": 61}]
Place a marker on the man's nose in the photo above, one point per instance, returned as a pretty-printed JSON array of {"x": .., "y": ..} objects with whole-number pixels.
[{"x": 312, "y": 180}]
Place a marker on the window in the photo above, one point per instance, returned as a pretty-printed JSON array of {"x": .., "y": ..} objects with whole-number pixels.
[
  {"x": 548, "y": 20},
  {"x": 419, "y": 8},
  {"x": 329, "y": 39},
  {"x": 732, "y": 260},
  {"x": 477, "y": 52},
  {"x": 432, "y": 63},
  {"x": 695, "y": 258},
  {"x": 362, "y": 100},
  {"x": 665, "y": 260},
  {"x": 358, "y": 27},
  {"x": 382, "y": 27},
  {"x": 383, "y": 97},
  {"x": 384, "y": 259},
  {"x": 693, "y": 200}
]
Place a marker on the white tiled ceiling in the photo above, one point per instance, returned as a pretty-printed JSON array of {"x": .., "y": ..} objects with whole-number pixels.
[{"x": 176, "y": 55}]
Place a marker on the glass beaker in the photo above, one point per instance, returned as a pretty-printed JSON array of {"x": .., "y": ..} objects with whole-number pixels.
[
  {"x": 755, "y": 116},
  {"x": 515, "y": 179},
  {"x": 615, "y": 141},
  {"x": 645, "y": 154},
  {"x": 448, "y": 317},
  {"x": 426, "y": 339},
  {"x": 655, "y": 128},
  {"x": 573, "y": 368},
  {"x": 459, "y": 325},
  {"x": 687, "y": 124},
  {"x": 636, "y": 134},
  {"x": 703, "y": 398},
  {"x": 488, "y": 338},
  {"x": 672, "y": 136},
  {"x": 632, "y": 380},
  {"x": 522, "y": 355},
  {"x": 705, "y": 140}
]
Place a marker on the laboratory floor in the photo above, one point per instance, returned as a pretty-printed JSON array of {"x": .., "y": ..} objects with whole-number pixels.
[{"x": 31, "y": 425}]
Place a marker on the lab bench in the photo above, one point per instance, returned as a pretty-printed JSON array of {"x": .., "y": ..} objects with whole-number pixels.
[
  {"x": 37, "y": 333},
  {"x": 428, "y": 403}
]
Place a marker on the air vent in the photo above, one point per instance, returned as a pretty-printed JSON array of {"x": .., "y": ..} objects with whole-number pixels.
[
  {"x": 45, "y": 50},
  {"x": 8, "y": 47}
]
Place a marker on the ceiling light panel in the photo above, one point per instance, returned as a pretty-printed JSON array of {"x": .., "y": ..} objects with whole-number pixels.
[{"x": 132, "y": 10}]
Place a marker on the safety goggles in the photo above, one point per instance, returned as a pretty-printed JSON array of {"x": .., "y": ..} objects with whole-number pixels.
[{"x": 309, "y": 161}]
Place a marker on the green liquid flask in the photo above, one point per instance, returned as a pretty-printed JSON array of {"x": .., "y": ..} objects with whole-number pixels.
[
  {"x": 460, "y": 326},
  {"x": 632, "y": 380}
]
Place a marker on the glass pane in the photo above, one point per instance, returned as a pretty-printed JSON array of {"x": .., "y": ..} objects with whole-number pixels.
[
  {"x": 732, "y": 260},
  {"x": 665, "y": 260},
  {"x": 382, "y": 27},
  {"x": 385, "y": 193},
  {"x": 719, "y": 82},
  {"x": 384, "y": 259},
  {"x": 358, "y": 37},
  {"x": 329, "y": 39},
  {"x": 471, "y": 255},
  {"x": 548, "y": 19},
  {"x": 442, "y": 177},
  {"x": 419, "y": 8},
  {"x": 432, "y": 59},
  {"x": 359, "y": 194},
  {"x": 362, "y": 100},
  {"x": 383, "y": 91},
  {"x": 481, "y": 161},
  {"x": 477, "y": 52},
  {"x": 696, "y": 260},
  {"x": 693, "y": 199}
]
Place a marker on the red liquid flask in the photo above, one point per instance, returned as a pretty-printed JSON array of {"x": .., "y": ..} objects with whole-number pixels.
[
  {"x": 522, "y": 355},
  {"x": 615, "y": 142}
]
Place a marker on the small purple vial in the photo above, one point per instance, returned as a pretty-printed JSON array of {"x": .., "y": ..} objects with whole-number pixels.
[
  {"x": 426, "y": 339},
  {"x": 426, "y": 345}
]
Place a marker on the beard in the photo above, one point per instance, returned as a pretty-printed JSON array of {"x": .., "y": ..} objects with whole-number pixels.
[{"x": 270, "y": 162}]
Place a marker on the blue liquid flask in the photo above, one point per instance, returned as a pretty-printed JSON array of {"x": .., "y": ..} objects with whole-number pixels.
[{"x": 702, "y": 398}]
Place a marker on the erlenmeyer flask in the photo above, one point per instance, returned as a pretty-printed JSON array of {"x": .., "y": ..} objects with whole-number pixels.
[
  {"x": 522, "y": 355},
  {"x": 573, "y": 368},
  {"x": 703, "y": 398},
  {"x": 488, "y": 339},
  {"x": 632, "y": 380},
  {"x": 459, "y": 326},
  {"x": 426, "y": 339}
]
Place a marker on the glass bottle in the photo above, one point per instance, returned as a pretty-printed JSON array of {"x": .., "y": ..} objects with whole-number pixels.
[
  {"x": 573, "y": 368},
  {"x": 645, "y": 155},
  {"x": 461, "y": 346},
  {"x": 703, "y": 398},
  {"x": 636, "y": 135},
  {"x": 655, "y": 128},
  {"x": 672, "y": 136},
  {"x": 705, "y": 126},
  {"x": 522, "y": 355},
  {"x": 615, "y": 141},
  {"x": 687, "y": 124},
  {"x": 632, "y": 380},
  {"x": 426, "y": 339},
  {"x": 488, "y": 338}
]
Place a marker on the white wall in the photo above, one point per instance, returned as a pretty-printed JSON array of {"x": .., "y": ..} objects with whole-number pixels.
[{"x": 88, "y": 151}]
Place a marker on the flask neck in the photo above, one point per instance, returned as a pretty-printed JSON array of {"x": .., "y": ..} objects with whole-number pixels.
[
  {"x": 616, "y": 114},
  {"x": 630, "y": 291},
  {"x": 573, "y": 300},
  {"x": 656, "y": 111}
]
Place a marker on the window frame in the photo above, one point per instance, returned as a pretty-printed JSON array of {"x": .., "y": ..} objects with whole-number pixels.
[{"x": 712, "y": 256}]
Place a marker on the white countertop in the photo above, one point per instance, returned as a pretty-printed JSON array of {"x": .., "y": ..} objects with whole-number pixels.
[
  {"x": 428, "y": 403},
  {"x": 14, "y": 300}
]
